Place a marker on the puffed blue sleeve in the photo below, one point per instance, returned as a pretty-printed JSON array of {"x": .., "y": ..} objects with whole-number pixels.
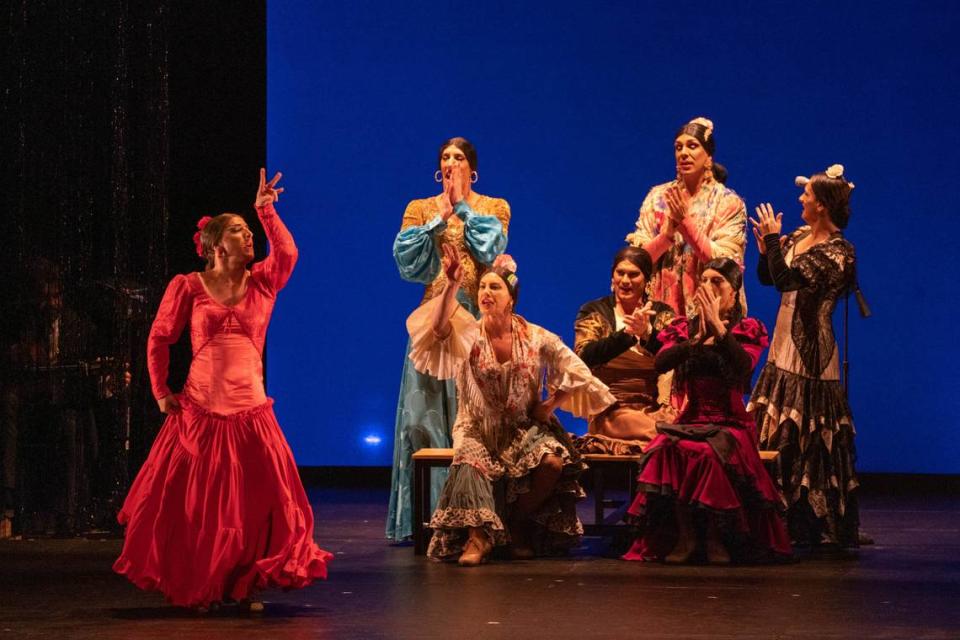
[
  {"x": 416, "y": 253},
  {"x": 482, "y": 234}
]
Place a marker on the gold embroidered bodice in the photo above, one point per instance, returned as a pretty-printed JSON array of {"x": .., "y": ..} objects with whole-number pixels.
[{"x": 422, "y": 211}]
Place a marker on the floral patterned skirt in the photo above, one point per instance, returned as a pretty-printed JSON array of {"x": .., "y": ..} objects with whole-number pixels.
[{"x": 468, "y": 498}]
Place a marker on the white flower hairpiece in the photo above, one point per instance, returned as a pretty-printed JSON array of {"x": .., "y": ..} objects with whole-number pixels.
[
  {"x": 834, "y": 171},
  {"x": 706, "y": 123}
]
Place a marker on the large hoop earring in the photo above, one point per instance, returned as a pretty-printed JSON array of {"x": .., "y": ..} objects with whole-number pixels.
[
  {"x": 474, "y": 176},
  {"x": 438, "y": 176}
]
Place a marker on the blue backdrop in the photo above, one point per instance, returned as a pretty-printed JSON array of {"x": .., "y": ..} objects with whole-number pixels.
[{"x": 573, "y": 107}]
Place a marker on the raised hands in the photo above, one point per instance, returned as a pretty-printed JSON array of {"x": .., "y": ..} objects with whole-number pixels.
[
  {"x": 446, "y": 207},
  {"x": 638, "y": 324},
  {"x": 678, "y": 201},
  {"x": 455, "y": 189},
  {"x": 766, "y": 223},
  {"x": 708, "y": 308},
  {"x": 451, "y": 263},
  {"x": 267, "y": 192},
  {"x": 458, "y": 189}
]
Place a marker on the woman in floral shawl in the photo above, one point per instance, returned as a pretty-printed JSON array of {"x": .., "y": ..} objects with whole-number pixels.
[
  {"x": 504, "y": 428},
  {"x": 691, "y": 220}
]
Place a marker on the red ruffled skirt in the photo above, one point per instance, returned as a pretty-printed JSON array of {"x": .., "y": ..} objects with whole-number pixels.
[
  {"x": 218, "y": 511},
  {"x": 734, "y": 488}
]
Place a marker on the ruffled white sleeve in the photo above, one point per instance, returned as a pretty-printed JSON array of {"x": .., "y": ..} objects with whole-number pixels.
[
  {"x": 586, "y": 395},
  {"x": 441, "y": 357}
]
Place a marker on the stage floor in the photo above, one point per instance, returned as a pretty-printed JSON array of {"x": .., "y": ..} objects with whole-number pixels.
[{"x": 905, "y": 586}]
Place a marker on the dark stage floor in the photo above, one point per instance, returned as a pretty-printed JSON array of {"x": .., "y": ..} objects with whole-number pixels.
[{"x": 906, "y": 586}]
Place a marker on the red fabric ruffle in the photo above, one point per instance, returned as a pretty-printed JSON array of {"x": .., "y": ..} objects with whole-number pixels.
[
  {"x": 690, "y": 473},
  {"x": 218, "y": 511}
]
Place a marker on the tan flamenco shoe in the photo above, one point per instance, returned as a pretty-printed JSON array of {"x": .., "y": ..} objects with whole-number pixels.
[
  {"x": 717, "y": 552},
  {"x": 686, "y": 538},
  {"x": 476, "y": 550},
  {"x": 682, "y": 551}
]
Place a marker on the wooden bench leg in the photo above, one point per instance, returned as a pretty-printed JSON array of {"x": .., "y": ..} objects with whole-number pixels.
[
  {"x": 421, "y": 503},
  {"x": 599, "y": 498}
]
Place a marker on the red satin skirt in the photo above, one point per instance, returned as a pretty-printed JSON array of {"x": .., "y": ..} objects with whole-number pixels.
[{"x": 218, "y": 511}]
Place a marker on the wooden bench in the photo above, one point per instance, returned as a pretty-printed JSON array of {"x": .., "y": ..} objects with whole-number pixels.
[{"x": 425, "y": 460}]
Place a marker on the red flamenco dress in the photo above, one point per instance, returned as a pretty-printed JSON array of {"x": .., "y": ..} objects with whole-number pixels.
[
  {"x": 218, "y": 510},
  {"x": 707, "y": 459}
]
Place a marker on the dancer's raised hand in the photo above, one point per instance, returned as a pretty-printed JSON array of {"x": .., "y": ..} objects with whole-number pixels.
[
  {"x": 451, "y": 263},
  {"x": 267, "y": 192}
]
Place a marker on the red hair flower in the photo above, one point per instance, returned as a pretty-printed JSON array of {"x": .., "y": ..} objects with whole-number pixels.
[{"x": 201, "y": 223}]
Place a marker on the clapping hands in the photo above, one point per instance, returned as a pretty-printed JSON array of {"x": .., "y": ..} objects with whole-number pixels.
[
  {"x": 711, "y": 327},
  {"x": 765, "y": 224},
  {"x": 638, "y": 324},
  {"x": 454, "y": 190},
  {"x": 678, "y": 202}
]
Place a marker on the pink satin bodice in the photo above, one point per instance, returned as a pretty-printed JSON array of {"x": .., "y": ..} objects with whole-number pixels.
[{"x": 226, "y": 373}]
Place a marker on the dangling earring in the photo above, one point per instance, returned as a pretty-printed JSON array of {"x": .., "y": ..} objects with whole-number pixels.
[
  {"x": 438, "y": 176},
  {"x": 708, "y": 173},
  {"x": 474, "y": 176}
]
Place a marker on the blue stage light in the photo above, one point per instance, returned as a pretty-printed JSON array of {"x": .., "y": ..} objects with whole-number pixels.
[{"x": 372, "y": 440}]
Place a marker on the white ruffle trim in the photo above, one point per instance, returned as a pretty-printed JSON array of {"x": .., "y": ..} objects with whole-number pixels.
[
  {"x": 586, "y": 396},
  {"x": 440, "y": 358}
]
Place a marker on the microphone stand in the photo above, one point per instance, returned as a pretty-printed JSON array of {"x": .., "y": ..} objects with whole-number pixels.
[{"x": 865, "y": 312}]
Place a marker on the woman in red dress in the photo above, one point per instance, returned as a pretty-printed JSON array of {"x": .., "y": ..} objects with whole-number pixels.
[
  {"x": 218, "y": 510},
  {"x": 704, "y": 469}
]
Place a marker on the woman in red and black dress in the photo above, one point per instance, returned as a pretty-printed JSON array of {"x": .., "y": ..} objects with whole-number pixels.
[{"x": 704, "y": 472}]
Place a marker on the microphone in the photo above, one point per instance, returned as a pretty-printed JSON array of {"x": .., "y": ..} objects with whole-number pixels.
[{"x": 862, "y": 305}]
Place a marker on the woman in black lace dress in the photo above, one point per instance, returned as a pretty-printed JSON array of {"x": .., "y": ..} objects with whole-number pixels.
[{"x": 800, "y": 408}]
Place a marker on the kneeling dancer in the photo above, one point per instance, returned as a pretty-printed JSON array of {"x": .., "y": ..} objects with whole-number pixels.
[{"x": 504, "y": 429}]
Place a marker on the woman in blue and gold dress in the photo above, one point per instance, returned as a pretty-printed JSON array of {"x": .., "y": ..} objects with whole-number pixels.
[{"x": 476, "y": 225}]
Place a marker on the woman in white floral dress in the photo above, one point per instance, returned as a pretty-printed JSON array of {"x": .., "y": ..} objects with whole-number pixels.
[{"x": 504, "y": 428}]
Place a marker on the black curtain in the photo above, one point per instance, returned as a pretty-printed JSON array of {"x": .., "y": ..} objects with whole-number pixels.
[{"x": 123, "y": 123}]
